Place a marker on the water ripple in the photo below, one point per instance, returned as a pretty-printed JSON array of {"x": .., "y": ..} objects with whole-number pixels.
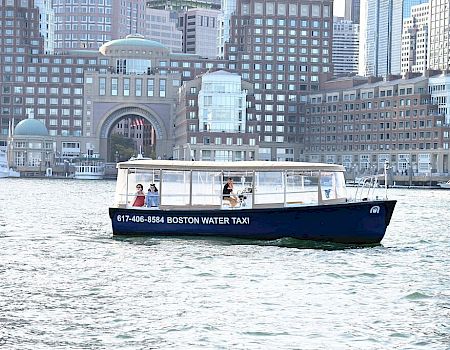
[{"x": 67, "y": 284}]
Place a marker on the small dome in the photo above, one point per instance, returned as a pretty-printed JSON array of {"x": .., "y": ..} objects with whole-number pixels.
[
  {"x": 30, "y": 127},
  {"x": 132, "y": 41}
]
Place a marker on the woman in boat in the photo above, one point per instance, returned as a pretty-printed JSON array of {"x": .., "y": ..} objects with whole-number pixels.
[
  {"x": 139, "y": 200},
  {"x": 228, "y": 191},
  {"x": 152, "y": 199}
]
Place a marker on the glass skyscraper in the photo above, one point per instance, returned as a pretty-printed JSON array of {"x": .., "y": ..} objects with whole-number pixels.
[{"x": 381, "y": 33}]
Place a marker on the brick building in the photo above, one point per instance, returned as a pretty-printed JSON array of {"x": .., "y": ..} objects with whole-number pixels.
[{"x": 363, "y": 122}]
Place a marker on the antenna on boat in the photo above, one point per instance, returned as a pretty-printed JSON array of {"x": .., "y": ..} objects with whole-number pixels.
[{"x": 386, "y": 167}]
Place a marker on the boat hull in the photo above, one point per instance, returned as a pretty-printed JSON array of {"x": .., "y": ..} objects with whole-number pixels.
[{"x": 359, "y": 223}]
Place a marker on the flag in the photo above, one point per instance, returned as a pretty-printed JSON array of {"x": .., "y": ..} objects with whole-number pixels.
[{"x": 137, "y": 122}]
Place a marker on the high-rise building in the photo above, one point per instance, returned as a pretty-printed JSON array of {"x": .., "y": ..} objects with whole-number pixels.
[
  {"x": 47, "y": 24},
  {"x": 345, "y": 46},
  {"x": 89, "y": 26},
  {"x": 284, "y": 48},
  {"x": 439, "y": 39},
  {"x": 352, "y": 8},
  {"x": 161, "y": 26},
  {"x": 200, "y": 30},
  {"x": 380, "y": 37},
  {"x": 415, "y": 39},
  {"x": 228, "y": 7},
  {"x": 408, "y": 4}
]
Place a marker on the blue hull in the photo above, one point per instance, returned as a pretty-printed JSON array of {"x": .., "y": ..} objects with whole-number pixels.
[{"x": 362, "y": 222}]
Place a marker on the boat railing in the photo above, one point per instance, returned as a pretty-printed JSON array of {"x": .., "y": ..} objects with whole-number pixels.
[{"x": 368, "y": 188}]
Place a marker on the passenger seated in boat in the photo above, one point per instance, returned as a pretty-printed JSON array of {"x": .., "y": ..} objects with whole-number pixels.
[
  {"x": 152, "y": 199},
  {"x": 228, "y": 193},
  {"x": 139, "y": 200}
]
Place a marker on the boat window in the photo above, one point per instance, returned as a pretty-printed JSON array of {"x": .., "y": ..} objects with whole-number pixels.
[
  {"x": 269, "y": 187},
  {"x": 301, "y": 188},
  {"x": 332, "y": 185},
  {"x": 175, "y": 189},
  {"x": 206, "y": 188},
  {"x": 127, "y": 179}
]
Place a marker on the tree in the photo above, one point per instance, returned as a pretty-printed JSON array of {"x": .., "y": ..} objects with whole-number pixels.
[{"x": 123, "y": 146}]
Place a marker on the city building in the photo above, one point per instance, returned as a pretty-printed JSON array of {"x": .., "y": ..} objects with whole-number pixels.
[
  {"x": 345, "y": 46},
  {"x": 278, "y": 56},
  {"x": 439, "y": 88},
  {"x": 161, "y": 26},
  {"x": 86, "y": 25},
  {"x": 408, "y": 4},
  {"x": 415, "y": 40},
  {"x": 47, "y": 24},
  {"x": 32, "y": 148},
  {"x": 136, "y": 84},
  {"x": 352, "y": 9},
  {"x": 364, "y": 122},
  {"x": 439, "y": 40},
  {"x": 284, "y": 49},
  {"x": 381, "y": 24},
  {"x": 200, "y": 31},
  {"x": 227, "y": 9},
  {"x": 214, "y": 119}
]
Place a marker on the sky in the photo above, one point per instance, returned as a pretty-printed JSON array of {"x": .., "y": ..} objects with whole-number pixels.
[{"x": 339, "y": 8}]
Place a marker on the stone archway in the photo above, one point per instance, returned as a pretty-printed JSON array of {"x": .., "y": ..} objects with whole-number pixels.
[{"x": 160, "y": 125}]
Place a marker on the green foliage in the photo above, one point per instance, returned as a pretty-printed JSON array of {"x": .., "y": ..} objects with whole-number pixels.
[{"x": 124, "y": 146}]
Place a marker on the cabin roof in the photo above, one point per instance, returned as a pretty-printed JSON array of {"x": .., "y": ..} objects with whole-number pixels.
[{"x": 227, "y": 166}]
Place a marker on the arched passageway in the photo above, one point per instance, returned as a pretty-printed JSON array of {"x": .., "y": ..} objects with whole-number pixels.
[{"x": 145, "y": 117}]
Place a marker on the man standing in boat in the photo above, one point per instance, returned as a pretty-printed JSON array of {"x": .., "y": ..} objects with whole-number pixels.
[{"x": 228, "y": 191}]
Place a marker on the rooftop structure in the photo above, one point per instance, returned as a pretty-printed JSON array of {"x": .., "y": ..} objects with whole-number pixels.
[{"x": 30, "y": 127}]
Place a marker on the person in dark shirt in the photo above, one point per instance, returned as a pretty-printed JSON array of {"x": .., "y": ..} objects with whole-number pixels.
[{"x": 228, "y": 193}]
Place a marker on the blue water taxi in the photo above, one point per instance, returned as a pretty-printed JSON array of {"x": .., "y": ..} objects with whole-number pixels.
[{"x": 267, "y": 201}]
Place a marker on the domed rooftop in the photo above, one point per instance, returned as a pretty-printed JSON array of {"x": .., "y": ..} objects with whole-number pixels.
[
  {"x": 30, "y": 127},
  {"x": 132, "y": 40}
]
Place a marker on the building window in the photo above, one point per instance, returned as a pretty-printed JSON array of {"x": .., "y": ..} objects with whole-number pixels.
[
  {"x": 126, "y": 87},
  {"x": 150, "y": 87},
  {"x": 162, "y": 88},
  {"x": 138, "y": 87},
  {"x": 102, "y": 87},
  {"x": 114, "y": 86}
]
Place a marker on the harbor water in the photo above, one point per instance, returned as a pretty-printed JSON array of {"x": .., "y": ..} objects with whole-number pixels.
[{"x": 66, "y": 283}]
